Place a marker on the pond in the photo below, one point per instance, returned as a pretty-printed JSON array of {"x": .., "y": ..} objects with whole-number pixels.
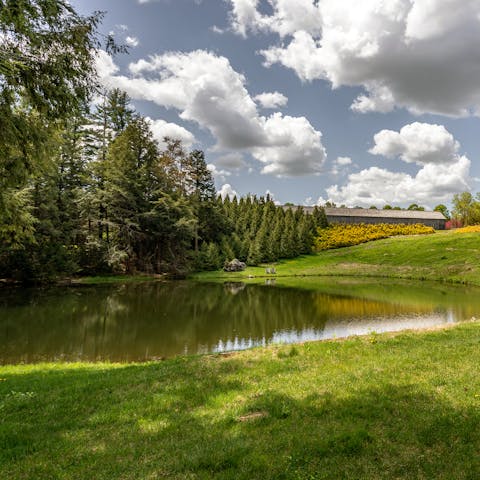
[{"x": 154, "y": 320}]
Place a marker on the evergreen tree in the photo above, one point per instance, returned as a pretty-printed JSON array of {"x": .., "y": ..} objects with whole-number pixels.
[
  {"x": 254, "y": 256},
  {"x": 289, "y": 236},
  {"x": 277, "y": 232},
  {"x": 47, "y": 73},
  {"x": 116, "y": 110},
  {"x": 211, "y": 222},
  {"x": 305, "y": 234},
  {"x": 319, "y": 217},
  {"x": 128, "y": 186}
]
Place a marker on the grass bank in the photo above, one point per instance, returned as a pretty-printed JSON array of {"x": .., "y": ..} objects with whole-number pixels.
[
  {"x": 111, "y": 279},
  {"x": 378, "y": 407},
  {"x": 444, "y": 256}
]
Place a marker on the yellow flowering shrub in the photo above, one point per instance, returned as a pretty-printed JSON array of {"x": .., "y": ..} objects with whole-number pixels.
[
  {"x": 469, "y": 229},
  {"x": 346, "y": 235}
]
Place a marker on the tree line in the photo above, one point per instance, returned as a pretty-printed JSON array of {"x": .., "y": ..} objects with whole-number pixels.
[
  {"x": 84, "y": 186},
  {"x": 260, "y": 232},
  {"x": 106, "y": 198}
]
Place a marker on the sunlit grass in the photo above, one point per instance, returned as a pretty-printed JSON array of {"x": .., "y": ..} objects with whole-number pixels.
[{"x": 382, "y": 406}]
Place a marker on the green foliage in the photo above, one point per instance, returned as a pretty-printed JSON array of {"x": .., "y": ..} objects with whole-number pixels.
[
  {"x": 416, "y": 207},
  {"x": 263, "y": 232},
  {"x": 466, "y": 208},
  {"x": 17, "y": 223},
  {"x": 442, "y": 209},
  {"x": 47, "y": 77},
  {"x": 209, "y": 257},
  {"x": 47, "y": 73}
]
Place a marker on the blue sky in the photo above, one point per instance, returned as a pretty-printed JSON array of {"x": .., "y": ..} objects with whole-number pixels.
[{"x": 373, "y": 102}]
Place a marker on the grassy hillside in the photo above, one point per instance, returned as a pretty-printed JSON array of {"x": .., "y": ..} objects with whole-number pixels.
[
  {"x": 376, "y": 407},
  {"x": 444, "y": 256}
]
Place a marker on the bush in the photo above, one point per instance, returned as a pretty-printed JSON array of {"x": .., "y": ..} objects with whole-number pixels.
[
  {"x": 340, "y": 235},
  {"x": 453, "y": 223},
  {"x": 208, "y": 257},
  {"x": 469, "y": 229}
]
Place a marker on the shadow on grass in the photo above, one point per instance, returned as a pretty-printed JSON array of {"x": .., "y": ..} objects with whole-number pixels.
[{"x": 199, "y": 418}]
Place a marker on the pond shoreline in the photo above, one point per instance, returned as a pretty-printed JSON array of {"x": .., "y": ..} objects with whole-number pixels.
[
  {"x": 379, "y": 406},
  {"x": 144, "y": 320},
  {"x": 447, "y": 257}
]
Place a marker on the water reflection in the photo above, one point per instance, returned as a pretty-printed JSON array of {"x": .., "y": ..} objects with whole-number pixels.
[{"x": 155, "y": 320}]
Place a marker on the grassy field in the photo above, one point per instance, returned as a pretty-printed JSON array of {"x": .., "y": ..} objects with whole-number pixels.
[
  {"x": 378, "y": 407},
  {"x": 444, "y": 256}
]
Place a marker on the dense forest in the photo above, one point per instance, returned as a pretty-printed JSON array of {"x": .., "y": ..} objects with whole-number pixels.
[
  {"x": 107, "y": 199},
  {"x": 84, "y": 186}
]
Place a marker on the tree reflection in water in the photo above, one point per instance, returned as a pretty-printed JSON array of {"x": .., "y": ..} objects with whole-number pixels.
[{"x": 135, "y": 322}]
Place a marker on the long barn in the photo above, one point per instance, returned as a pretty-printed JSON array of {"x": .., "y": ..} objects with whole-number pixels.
[{"x": 367, "y": 215}]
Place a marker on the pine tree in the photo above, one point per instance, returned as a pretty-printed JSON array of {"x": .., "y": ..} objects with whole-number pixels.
[
  {"x": 254, "y": 256},
  {"x": 276, "y": 236},
  {"x": 200, "y": 188},
  {"x": 289, "y": 236},
  {"x": 128, "y": 185},
  {"x": 320, "y": 219},
  {"x": 305, "y": 234}
]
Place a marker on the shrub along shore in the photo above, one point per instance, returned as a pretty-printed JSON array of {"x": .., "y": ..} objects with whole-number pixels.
[
  {"x": 381, "y": 406},
  {"x": 445, "y": 256}
]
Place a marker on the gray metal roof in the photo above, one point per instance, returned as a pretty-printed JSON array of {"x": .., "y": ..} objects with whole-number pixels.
[{"x": 372, "y": 213}]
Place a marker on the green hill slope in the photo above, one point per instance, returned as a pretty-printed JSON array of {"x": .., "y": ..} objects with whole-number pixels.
[{"x": 445, "y": 256}]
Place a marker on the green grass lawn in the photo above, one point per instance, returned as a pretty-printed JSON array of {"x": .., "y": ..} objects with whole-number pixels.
[
  {"x": 402, "y": 406},
  {"x": 444, "y": 256}
]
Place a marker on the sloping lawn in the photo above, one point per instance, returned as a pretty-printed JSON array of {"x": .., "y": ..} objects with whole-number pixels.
[
  {"x": 444, "y": 256},
  {"x": 383, "y": 406}
]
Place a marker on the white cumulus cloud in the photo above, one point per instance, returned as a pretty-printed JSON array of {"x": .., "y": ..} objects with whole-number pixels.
[
  {"x": 340, "y": 164},
  {"x": 420, "y": 55},
  {"x": 219, "y": 173},
  {"x": 295, "y": 147},
  {"x": 419, "y": 143},
  {"x": 227, "y": 190},
  {"x": 205, "y": 89},
  {"x": 433, "y": 184},
  {"x": 342, "y": 161},
  {"x": 105, "y": 65},
  {"x": 311, "y": 202},
  {"x": 161, "y": 129},
  {"x": 443, "y": 171},
  {"x": 287, "y": 17},
  {"x": 271, "y": 99},
  {"x": 132, "y": 41}
]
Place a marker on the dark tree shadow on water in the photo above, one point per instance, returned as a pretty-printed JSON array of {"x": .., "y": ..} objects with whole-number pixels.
[{"x": 197, "y": 419}]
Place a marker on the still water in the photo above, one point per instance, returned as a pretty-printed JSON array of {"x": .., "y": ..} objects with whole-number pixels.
[{"x": 136, "y": 322}]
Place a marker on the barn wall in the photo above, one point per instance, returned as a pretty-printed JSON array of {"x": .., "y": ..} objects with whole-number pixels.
[{"x": 436, "y": 224}]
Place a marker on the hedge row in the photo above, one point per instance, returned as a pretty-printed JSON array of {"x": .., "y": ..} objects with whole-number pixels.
[
  {"x": 469, "y": 229},
  {"x": 341, "y": 235}
]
